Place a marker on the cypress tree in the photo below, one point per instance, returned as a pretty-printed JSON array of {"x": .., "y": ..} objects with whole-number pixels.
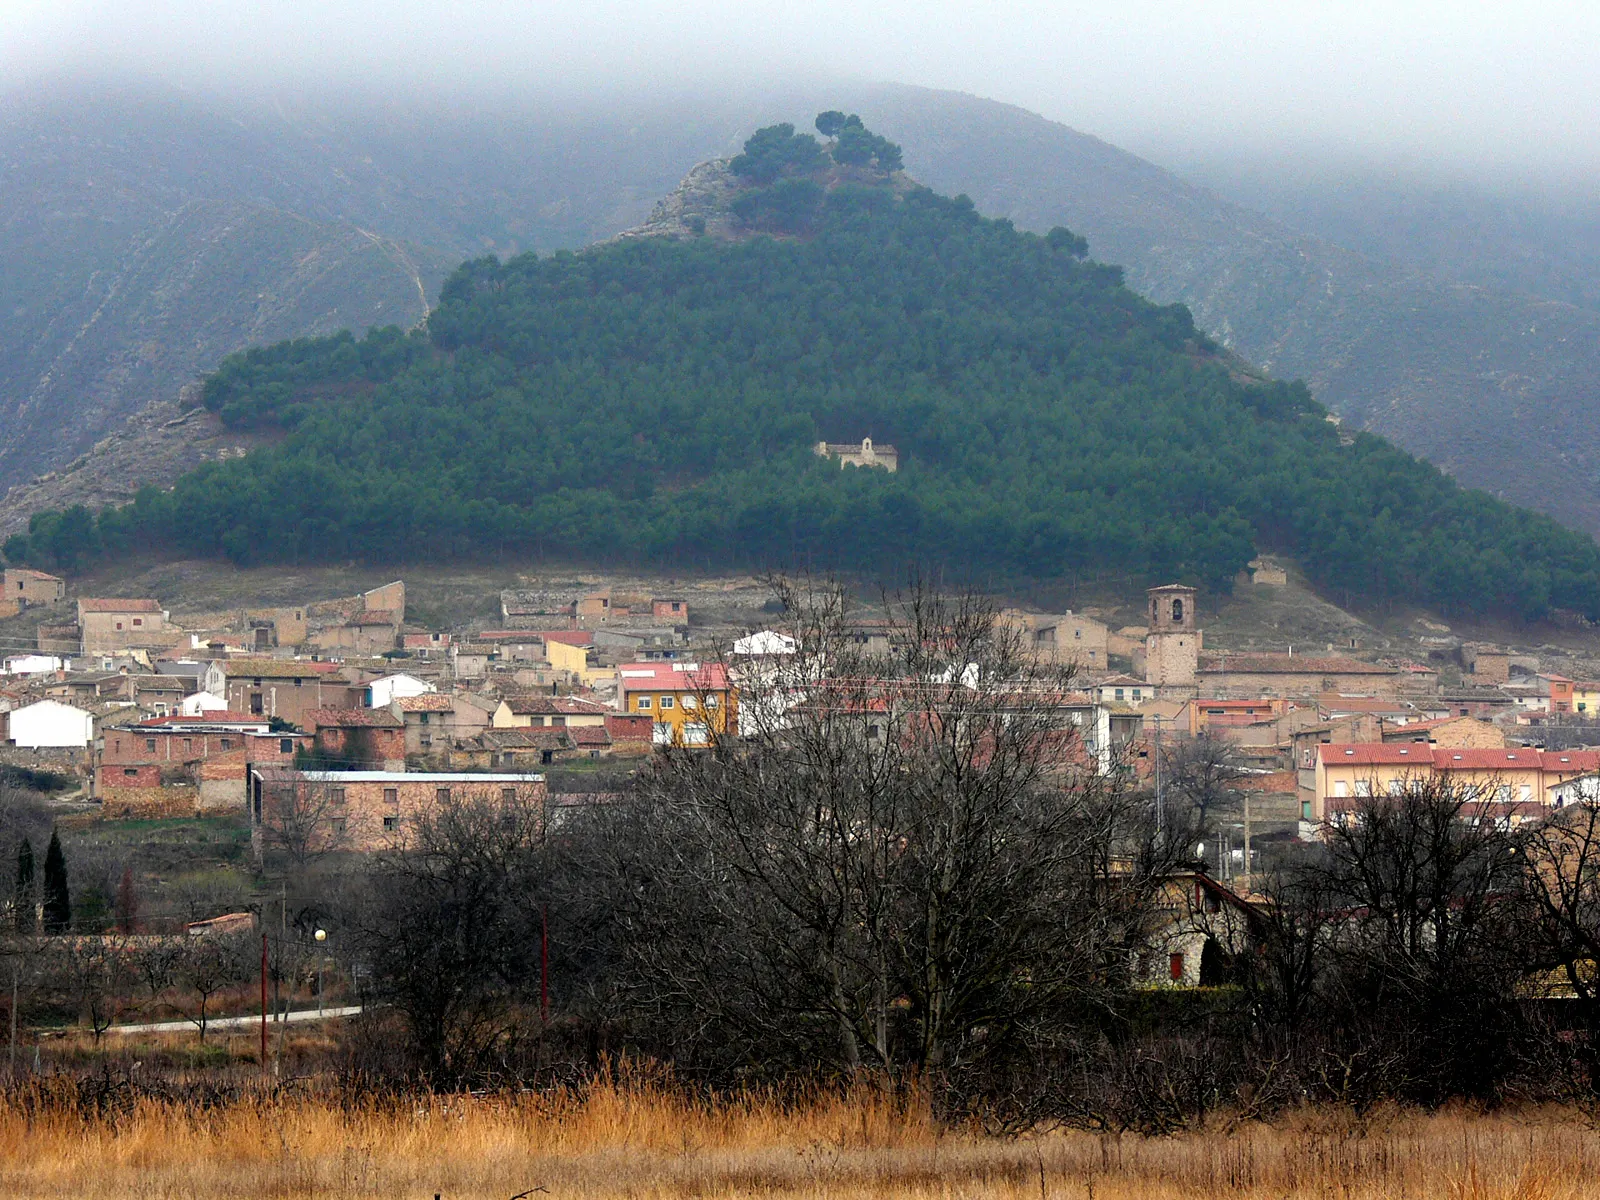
[
  {"x": 23, "y": 895},
  {"x": 57, "y": 899}
]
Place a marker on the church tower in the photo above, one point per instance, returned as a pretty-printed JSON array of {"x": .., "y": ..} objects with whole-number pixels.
[{"x": 1172, "y": 646}]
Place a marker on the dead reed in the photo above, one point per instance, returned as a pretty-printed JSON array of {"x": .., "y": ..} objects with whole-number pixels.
[{"x": 638, "y": 1140}]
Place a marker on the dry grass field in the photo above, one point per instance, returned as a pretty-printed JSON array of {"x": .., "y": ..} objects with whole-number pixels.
[{"x": 639, "y": 1142}]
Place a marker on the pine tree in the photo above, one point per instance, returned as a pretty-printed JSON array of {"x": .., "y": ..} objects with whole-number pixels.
[
  {"x": 57, "y": 899},
  {"x": 24, "y": 895}
]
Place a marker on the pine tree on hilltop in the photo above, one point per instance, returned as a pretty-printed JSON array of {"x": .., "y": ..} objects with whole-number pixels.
[
  {"x": 57, "y": 898},
  {"x": 24, "y": 894}
]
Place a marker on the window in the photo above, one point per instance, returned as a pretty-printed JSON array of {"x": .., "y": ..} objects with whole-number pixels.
[
  {"x": 666, "y": 703},
  {"x": 558, "y": 721},
  {"x": 1119, "y": 694},
  {"x": 547, "y": 757},
  {"x": 391, "y": 796},
  {"x": 255, "y": 704},
  {"x": 1175, "y": 961},
  {"x": 119, "y": 624},
  {"x": 1305, "y": 810},
  {"x": 391, "y": 823},
  {"x": 711, "y": 701},
  {"x": 227, "y": 743},
  {"x": 442, "y": 795},
  {"x": 188, "y": 745},
  {"x": 1525, "y": 793},
  {"x": 1340, "y": 789},
  {"x": 338, "y": 795},
  {"x": 150, "y": 745},
  {"x": 1502, "y": 794},
  {"x": 508, "y": 795},
  {"x": 874, "y": 732},
  {"x": 339, "y": 825},
  {"x": 425, "y": 717},
  {"x": 643, "y": 703},
  {"x": 690, "y": 702},
  {"x": 285, "y": 745},
  {"x": 1177, "y": 610},
  {"x": 138, "y": 621},
  {"x": 298, "y": 682},
  {"x": 1363, "y": 787},
  {"x": 130, "y": 770}
]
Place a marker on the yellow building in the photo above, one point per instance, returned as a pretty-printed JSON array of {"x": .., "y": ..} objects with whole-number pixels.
[
  {"x": 1586, "y": 698},
  {"x": 687, "y": 703},
  {"x": 1346, "y": 774}
]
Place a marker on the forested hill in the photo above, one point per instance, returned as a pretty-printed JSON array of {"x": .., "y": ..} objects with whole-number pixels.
[{"x": 658, "y": 399}]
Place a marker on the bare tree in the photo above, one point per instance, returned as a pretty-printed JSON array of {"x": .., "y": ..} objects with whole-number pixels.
[
  {"x": 95, "y": 976},
  {"x": 1425, "y": 946},
  {"x": 208, "y": 966},
  {"x": 905, "y": 861},
  {"x": 451, "y": 926},
  {"x": 304, "y": 821},
  {"x": 1561, "y": 882}
]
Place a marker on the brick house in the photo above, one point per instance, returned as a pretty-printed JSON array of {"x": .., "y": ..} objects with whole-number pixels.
[
  {"x": 176, "y": 765},
  {"x": 676, "y": 611},
  {"x": 106, "y": 626},
  {"x": 361, "y": 737},
  {"x": 371, "y": 810}
]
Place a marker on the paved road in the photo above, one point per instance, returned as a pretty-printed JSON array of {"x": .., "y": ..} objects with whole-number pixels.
[{"x": 302, "y": 1014}]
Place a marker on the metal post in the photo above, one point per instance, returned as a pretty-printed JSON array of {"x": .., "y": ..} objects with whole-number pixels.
[{"x": 1247, "y": 869}]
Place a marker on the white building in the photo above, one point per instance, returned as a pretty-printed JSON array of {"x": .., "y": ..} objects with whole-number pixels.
[
  {"x": 764, "y": 642},
  {"x": 34, "y": 664},
  {"x": 383, "y": 692},
  {"x": 201, "y": 703},
  {"x": 51, "y": 723}
]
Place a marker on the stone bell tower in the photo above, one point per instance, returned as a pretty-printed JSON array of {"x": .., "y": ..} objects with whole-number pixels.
[{"x": 1172, "y": 646}]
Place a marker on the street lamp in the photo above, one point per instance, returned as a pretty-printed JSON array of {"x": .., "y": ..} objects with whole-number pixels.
[{"x": 321, "y": 935}]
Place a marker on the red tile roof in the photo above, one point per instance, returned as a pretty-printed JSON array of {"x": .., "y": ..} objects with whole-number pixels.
[
  {"x": 553, "y": 705},
  {"x": 353, "y": 718},
  {"x": 427, "y": 702},
  {"x": 1460, "y": 758},
  {"x": 119, "y": 606},
  {"x": 671, "y": 676},
  {"x": 1288, "y": 664}
]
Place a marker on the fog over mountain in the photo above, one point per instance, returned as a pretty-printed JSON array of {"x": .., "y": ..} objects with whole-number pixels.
[{"x": 182, "y": 180}]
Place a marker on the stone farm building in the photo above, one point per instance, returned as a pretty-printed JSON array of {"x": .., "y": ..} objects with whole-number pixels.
[{"x": 368, "y": 810}]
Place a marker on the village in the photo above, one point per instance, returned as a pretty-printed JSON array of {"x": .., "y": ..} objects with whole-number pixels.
[{"x": 147, "y": 719}]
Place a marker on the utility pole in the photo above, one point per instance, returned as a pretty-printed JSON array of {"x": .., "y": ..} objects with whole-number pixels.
[
  {"x": 1247, "y": 869},
  {"x": 264, "y": 973},
  {"x": 1161, "y": 816}
]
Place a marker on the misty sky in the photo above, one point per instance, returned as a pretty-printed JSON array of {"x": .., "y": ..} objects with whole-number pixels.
[{"x": 1474, "y": 84}]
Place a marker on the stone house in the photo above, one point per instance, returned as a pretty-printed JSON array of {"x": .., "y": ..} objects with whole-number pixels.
[
  {"x": 106, "y": 626},
  {"x": 1293, "y": 676},
  {"x": 1198, "y": 934},
  {"x": 1448, "y": 731},
  {"x": 1487, "y": 664},
  {"x": 282, "y": 688},
  {"x": 559, "y": 712},
  {"x": 362, "y": 811},
  {"x": 28, "y": 587},
  {"x": 860, "y": 454},
  {"x": 435, "y": 722}
]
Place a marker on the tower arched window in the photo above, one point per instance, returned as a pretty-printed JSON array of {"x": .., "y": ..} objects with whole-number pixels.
[{"x": 1177, "y": 609}]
